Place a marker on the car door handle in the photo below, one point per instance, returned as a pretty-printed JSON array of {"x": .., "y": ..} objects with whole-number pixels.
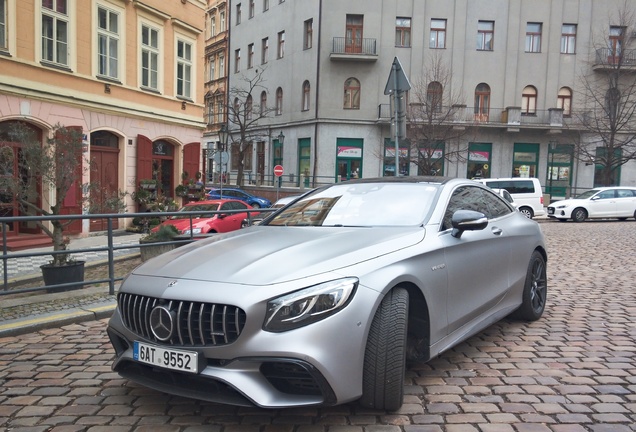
[{"x": 496, "y": 231}]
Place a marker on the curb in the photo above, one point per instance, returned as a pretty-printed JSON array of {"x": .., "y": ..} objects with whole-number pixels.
[{"x": 36, "y": 323}]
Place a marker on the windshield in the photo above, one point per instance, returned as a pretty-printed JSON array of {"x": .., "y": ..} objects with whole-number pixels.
[
  {"x": 362, "y": 205},
  {"x": 196, "y": 208},
  {"x": 588, "y": 194}
]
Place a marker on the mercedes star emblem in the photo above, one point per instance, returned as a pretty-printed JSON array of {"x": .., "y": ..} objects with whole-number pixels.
[{"x": 161, "y": 323}]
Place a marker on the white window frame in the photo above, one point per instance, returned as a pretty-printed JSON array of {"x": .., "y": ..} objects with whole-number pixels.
[
  {"x": 109, "y": 53},
  {"x": 280, "y": 49},
  {"x": 221, "y": 65},
  {"x": 213, "y": 25},
  {"x": 212, "y": 68},
  {"x": 57, "y": 17},
  {"x": 187, "y": 63},
  {"x": 223, "y": 23},
  {"x": 153, "y": 52}
]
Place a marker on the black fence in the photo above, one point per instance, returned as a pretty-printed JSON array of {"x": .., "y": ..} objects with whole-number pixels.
[{"x": 109, "y": 244}]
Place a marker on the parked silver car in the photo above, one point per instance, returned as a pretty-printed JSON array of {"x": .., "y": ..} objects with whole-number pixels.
[{"x": 320, "y": 303}]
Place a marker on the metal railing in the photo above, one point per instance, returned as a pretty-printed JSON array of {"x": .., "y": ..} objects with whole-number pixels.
[
  {"x": 354, "y": 46},
  {"x": 109, "y": 247}
]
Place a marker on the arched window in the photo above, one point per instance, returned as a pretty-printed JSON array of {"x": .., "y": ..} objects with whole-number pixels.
[
  {"x": 482, "y": 102},
  {"x": 529, "y": 101},
  {"x": 279, "y": 101},
  {"x": 564, "y": 101},
  {"x": 434, "y": 94},
  {"x": 248, "y": 107},
  {"x": 263, "y": 102},
  {"x": 306, "y": 91},
  {"x": 352, "y": 94}
]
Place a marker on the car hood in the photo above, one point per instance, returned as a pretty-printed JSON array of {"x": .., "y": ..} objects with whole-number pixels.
[
  {"x": 567, "y": 202},
  {"x": 264, "y": 255}
]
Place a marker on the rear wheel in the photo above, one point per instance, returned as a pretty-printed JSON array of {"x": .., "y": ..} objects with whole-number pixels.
[
  {"x": 385, "y": 354},
  {"x": 527, "y": 212},
  {"x": 579, "y": 214},
  {"x": 256, "y": 205},
  {"x": 535, "y": 290}
]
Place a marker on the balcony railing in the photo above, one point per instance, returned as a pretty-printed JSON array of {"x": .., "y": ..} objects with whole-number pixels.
[
  {"x": 509, "y": 117},
  {"x": 354, "y": 49},
  {"x": 611, "y": 59}
]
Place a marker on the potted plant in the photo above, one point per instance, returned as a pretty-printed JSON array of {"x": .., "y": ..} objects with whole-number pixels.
[
  {"x": 181, "y": 191},
  {"x": 54, "y": 170},
  {"x": 164, "y": 233}
]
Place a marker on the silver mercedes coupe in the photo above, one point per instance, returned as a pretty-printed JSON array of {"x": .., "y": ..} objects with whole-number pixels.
[{"x": 321, "y": 302}]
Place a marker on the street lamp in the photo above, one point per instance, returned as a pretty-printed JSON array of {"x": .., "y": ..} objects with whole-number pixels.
[
  {"x": 223, "y": 135},
  {"x": 281, "y": 138},
  {"x": 553, "y": 146}
]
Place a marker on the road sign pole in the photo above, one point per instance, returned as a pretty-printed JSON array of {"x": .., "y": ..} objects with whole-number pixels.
[{"x": 396, "y": 101}]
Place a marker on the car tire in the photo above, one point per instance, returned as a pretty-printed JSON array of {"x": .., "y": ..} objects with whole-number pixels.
[
  {"x": 527, "y": 212},
  {"x": 256, "y": 205},
  {"x": 579, "y": 214},
  {"x": 535, "y": 290},
  {"x": 385, "y": 354}
]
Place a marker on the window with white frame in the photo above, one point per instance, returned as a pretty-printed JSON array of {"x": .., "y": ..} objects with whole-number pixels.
[
  {"x": 308, "y": 34},
  {"x": 568, "y": 38},
  {"x": 281, "y": 45},
  {"x": 149, "y": 57},
  {"x": 485, "y": 35},
  {"x": 438, "y": 34},
  {"x": 250, "y": 56},
  {"x": 402, "y": 32},
  {"x": 564, "y": 101},
  {"x": 222, "y": 21},
  {"x": 264, "y": 50},
  {"x": 306, "y": 94},
  {"x": 237, "y": 60},
  {"x": 55, "y": 31},
  {"x": 279, "y": 101},
  {"x": 352, "y": 94},
  {"x": 184, "y": 69},
  {"x": 213, "y": 25},
  {"x": 4, "y": 44},
  {"x": 533, "y": 37},
  {"x": 221, "y": 65},
  {"x": 220, "y": 106},
  {"x": 107, "y": 42},
  {"x": 529, "y": 101},
  {"x": 212, "y": 68}
]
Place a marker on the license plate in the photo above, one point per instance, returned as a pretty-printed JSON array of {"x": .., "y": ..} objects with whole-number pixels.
[
  {"x": 186, "y": 361},
  {"x": 550, "y": 210}
]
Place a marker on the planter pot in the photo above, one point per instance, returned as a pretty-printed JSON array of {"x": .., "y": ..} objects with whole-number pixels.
[
  {"x": 153, "y": 250},
  {"x": 69, "y": 273}
]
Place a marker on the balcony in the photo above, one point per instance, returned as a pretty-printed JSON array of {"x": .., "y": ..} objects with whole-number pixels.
[
  {"x": 347, "y": 49},
  {"x": 612, "y": 60},
  {"x": 510, "y": 118}
]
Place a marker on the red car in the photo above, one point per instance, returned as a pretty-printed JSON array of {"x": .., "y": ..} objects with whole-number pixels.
[{"x": 208, "y": 223}]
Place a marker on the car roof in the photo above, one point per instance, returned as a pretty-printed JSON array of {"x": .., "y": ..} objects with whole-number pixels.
[{"x": 400, "y": 179}]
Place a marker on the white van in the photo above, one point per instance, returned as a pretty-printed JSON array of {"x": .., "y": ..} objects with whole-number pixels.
[{"x": 526, "y": 192}]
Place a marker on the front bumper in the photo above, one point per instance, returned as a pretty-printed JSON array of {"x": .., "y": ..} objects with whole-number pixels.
[
  {"x": 319, "y": 364},
  {"x": 559, "y": 213}
]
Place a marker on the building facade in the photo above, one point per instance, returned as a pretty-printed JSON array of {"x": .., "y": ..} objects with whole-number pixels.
[
  {"x": 129, "y": 73},
  {"x": 500, "y": 79}
]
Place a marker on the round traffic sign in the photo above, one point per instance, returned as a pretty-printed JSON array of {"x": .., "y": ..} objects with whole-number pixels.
[{"x": 278, "y": 170}]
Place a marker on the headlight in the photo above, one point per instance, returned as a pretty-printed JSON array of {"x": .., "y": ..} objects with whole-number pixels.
[
  {"x": 309, "y": 305},
  {"x": 194, "y": 231},
  {"x": 562, "y": 206}
]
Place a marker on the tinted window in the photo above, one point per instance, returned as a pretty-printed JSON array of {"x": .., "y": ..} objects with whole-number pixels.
[
  {"x": 625, "y": 193},
  {"x": 476, "y": 199},
  {"x": 513, "y": 186}
]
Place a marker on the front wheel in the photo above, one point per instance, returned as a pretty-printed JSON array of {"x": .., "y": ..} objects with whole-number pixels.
[
  {"x": 535, "y": 290},
  {"x": 579, "y": 214},
  {"x": 256, "y": 205},
  {"x": 385, "y": 354},
  {"x": 527, "y": 212}
]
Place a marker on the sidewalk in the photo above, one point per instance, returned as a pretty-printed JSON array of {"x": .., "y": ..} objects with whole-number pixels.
[{"x": 26, "y": 313}]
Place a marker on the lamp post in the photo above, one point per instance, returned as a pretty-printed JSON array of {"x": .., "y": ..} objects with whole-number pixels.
[
  {"x": 281, "y": 141},
  {"x": 553, "y": 146},
  {"x": 223, "y": 135}
]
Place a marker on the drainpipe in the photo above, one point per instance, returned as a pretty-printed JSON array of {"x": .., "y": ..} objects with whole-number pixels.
[{"x": 315, "y": 169}]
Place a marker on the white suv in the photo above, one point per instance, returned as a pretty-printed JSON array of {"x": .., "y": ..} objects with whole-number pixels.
[{"x": 526, "y": 192}]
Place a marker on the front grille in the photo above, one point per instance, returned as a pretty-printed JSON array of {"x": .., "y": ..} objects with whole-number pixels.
[{"x": 197, "y": 323}]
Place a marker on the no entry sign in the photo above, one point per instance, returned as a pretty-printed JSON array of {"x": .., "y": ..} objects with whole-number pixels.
[{"x": 278, "y": 170}]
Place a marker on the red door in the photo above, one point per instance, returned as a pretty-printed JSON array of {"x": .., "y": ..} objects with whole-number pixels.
[
  {"x": 353, "y": 34},
  {"x": 104, "y": 172}
]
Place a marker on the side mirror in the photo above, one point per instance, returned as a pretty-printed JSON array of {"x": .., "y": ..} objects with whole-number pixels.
[{"x": 467, "y": 220}]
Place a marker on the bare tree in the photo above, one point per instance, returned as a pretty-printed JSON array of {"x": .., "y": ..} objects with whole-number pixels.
[
  {"x": 607, "y": 136},
  {"x": 432, "y": 110},
  {"x": 245, "y": 111}
]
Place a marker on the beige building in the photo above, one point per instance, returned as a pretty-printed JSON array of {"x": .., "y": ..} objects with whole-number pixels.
[
  {"x": 129, "y": 73},
  {"x": 495, "y": 86}
]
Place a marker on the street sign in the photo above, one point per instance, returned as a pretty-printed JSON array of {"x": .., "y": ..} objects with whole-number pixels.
[
  {"x": 221, "y": 157},
  {"x": 278, "y": 170},
  {"x": 398, "y": 80}
]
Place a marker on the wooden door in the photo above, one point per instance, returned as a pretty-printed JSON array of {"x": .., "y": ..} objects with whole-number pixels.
[{"x": 104, "y": 172}]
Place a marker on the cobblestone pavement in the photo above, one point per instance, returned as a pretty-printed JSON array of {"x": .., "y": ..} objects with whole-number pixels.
[{"x": 572, "y": 371}]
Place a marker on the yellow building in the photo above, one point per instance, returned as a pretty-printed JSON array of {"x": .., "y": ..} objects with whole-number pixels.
[{"x": 129, "y": 73}]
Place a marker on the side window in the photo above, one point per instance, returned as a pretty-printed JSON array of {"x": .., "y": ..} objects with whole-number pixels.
[
  {"x": 496, "y": 205},
  {"x": 624, "y": 193},
  {"x": 464, "y": 198},
  {"x": 606, "y": 194}
]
